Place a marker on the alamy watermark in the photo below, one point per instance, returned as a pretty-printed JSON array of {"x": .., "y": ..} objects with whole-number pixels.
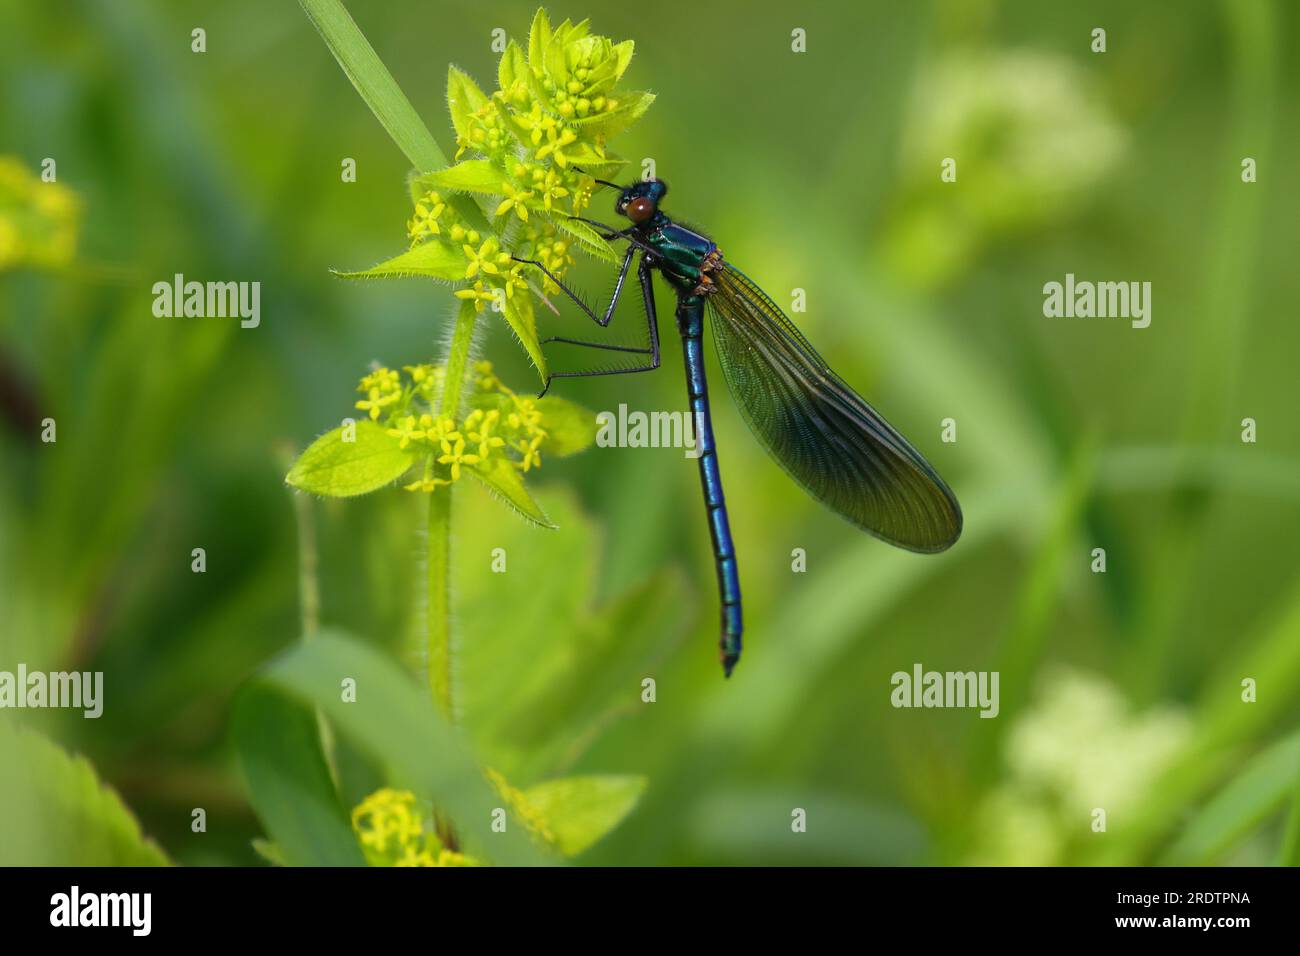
[
  {"x": 60, "y": 689},
  {"x": 221, "y": 300},
  {"x": 637, "y": 429},
  {"x": 1103, "y": 300},
  {"x": 956, "y": 689}
]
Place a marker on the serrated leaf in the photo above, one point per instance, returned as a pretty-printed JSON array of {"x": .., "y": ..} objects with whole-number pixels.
[
  {"x": 522, "y": 320},
  {"x": 539, "y": 38},
  {"x": 55, "y": 811},
  {"x": 471, "y": 176},
  {"x": 590, "y": 240},
  {"x": 341, "y": 469},
  {"x": 569, "y": 427},
  {"x": 624, "y": 53},
  {"x": 581, "y": 810},
  {"x": 464, "y": 99},
  {"x": 433, "y": 257},
  {"x": 616, "y": 121},
  {"x": 512, "y": 67},
  {"x": 554, "y": 62},
  {"x": 504, "y": 480}
]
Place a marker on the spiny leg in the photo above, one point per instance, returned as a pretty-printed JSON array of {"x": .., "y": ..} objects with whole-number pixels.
[
  {"x": 652, "y": 324},
  {"x": 613, "y": 302}
]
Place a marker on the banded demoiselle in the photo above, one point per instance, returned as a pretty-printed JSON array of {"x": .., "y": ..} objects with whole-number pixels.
[{"x": 825, "y": 436}]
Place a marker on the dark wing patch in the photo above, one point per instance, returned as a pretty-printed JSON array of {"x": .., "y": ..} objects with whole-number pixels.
[{"x": 826, "y": 437}]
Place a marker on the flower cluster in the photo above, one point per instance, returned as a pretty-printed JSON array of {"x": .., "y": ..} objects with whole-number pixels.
[
  {"x": 39, "y": 221},
  {"x": 526, "y": 157},
  {"x": 500, "y": 424},
  {"x": 394, "y": 831},
  {"x": 1079, "y": 747}
]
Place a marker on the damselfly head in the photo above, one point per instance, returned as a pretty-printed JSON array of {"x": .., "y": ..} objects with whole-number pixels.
[{"x": 640, "y": 201}]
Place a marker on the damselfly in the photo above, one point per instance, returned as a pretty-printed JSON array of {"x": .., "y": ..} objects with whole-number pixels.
[{"x": 825, "y": 436}]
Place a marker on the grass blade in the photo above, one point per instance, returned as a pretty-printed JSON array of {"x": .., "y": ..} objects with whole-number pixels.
[{"x": 375, "y": 84}]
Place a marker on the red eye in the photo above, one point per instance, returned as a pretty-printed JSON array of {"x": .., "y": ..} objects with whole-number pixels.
[{"x": 640, "y": 209}]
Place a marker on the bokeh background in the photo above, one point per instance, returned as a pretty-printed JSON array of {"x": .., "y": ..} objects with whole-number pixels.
[{"x": 820, "y": 171}]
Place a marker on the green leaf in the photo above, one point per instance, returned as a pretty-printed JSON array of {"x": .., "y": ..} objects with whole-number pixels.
[
  {"x": 539, "y": 38},
  {"x": 269, "y": 852},
  {"x": 1251, "y": 795},
  {"x": 535, "y": 699},
  {"x": 433, "y": 257},
  {"x": 523, "y": 321},
  {"x": 54, "y": 811},
  {"x": 582, "y": 810},
  {"x": 616, "y": 121},
  {"x": 503, "y": 478},
  {"x": 374, "y": 82},
  {"x": 340, "y": 469},
  {"x": 624, "y": 53},
  {"x": 471, "y": 176},
  {"x": 464, "y": 99},
  {"x": 570, "y": 428},
  {"x": 512, "y": 67},
  {"x": 590, "y": 240},
  {"x": 289, "y": 785},
  {"x": 394, "y": 722}
]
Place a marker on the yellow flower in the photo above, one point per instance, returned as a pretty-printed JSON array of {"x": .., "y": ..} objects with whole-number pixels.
[
  {"x": 387, "y": 821},
  {"x": 441, "y": 431},
  {"x": 526, "y": 416},
  {"x": 531, "y": 451},
  {"x": 425, "y": 221},
  {"x": 453, "y": 454},
  {"x": 515, "y": 200},
  {"x": 376, "y": 401},
  {"x": 406, "y": 431},
  {"x": 479, "y": 427},
  {"x": 487, "y": 257},
  {"x": 384, "y": 379},
  {"x": 478, "y": 292},
  {"x": 555, "y": 144},
  {"x": 550, "y": 185}
]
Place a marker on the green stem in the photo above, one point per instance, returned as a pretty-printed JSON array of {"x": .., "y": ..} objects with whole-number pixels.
[
  {"x": 309, "y": 604},
  {"x": 308, "y": 582},
  {"x": 438, "y": 562}
]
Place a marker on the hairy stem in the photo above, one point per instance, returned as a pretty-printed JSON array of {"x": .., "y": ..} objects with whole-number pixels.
[{"x": 438, "y": 563}]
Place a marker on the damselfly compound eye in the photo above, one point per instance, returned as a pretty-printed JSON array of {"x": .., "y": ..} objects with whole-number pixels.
[{"x": 640, "y": 209}]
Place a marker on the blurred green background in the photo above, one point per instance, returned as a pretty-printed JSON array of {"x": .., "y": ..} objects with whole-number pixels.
[{"x": 816, "y": 170}]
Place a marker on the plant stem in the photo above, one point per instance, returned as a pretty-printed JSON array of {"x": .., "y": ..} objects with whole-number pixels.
[
  {"x": 308, "y": 583},
  {"x": 438, "y": 538},
  {"x": 457, "y": 358},
  {"x": 309, "y": 603}
]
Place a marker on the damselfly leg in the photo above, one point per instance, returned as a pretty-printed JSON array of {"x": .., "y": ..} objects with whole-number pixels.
[{"x": 652, "y": 327}]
